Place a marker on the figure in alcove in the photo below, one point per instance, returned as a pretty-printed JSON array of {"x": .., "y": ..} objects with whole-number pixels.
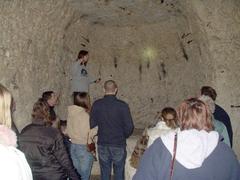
[{"x": 80, "y": 78}]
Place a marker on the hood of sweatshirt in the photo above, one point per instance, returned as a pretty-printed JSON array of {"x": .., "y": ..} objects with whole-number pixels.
[
  {"x": 193, "y": 146},
  {"x": 74, "y": 108},
  {"x": 7, "y": 136}
]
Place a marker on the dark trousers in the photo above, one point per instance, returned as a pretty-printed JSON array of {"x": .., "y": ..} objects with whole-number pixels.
[{"x": 112, "y": 156}]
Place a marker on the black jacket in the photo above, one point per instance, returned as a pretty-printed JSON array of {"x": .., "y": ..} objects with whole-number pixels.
[
  {"x": 221, "y": 115},
  {"x": 46, "y": 154},
  {"x": 114, "y": 121}
]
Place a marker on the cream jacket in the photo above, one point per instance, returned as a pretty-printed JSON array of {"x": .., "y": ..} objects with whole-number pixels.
[
  {"x": 78, "y": 126},
  {"x": 13, "y": 163}
]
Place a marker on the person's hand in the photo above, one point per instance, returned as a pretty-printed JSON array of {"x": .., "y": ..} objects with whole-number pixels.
[
  {"x": 58, "y": 94},
  {"x": 56, "y": 97},
  {"x": 98, "y": 80}
]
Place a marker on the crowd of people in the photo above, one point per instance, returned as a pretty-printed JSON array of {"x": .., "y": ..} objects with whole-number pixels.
[
  {"x": 192, "y": 142},
  {"x": 196, "y": 151}
]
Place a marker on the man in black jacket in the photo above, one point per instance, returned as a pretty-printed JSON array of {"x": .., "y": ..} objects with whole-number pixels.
[{"x": 115, "y": 125}]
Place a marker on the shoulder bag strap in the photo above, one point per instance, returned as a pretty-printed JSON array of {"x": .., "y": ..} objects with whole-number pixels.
[
  {"x": 87, "y": 137},
  {"x": 174, "y": 156}
]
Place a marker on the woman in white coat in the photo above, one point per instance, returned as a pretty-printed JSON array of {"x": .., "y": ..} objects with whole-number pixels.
[
  {"x": 13, "y": 164},
  {"x": 167, "y": 123}
]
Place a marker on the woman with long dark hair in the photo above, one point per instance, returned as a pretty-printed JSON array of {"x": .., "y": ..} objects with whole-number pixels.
[{"x": 78, "y": 129}]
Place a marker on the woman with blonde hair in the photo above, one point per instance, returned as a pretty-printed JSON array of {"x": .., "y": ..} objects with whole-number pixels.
[
  {"x": 44, "y": 148},
  {"x": 13, "y": 163},
  {"x": 78, "y": 129},
  {"x": 194, "y": 153}
]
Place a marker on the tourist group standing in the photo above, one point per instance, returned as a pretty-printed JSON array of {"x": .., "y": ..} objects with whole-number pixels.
[{"x": 191, "y": 142}]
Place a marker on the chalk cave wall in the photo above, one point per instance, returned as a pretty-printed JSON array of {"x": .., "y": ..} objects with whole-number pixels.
[
  {"x": 155, "y": 64},
  {"x": 31, "y": 51},
  {"x": 219, "y": 21}
]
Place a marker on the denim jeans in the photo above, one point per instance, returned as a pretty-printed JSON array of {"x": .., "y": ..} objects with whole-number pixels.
[
  {"x": 82, "y": 160},
  {"x": 109, "y": 156}
]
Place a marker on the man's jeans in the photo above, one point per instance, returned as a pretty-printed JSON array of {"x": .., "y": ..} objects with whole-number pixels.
[
  {"x": 109, "y": 156},
  {"x": 82, "y": 160}
]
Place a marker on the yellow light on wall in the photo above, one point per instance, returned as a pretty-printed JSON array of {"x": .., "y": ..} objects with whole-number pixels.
[{"x": 149, "y": 54}]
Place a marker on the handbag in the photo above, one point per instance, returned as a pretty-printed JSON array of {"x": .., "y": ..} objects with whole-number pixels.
[
  {"x": 174, "y": 156},
  {"x": 91, "y": 147},
  {"x": 139, "y": 149}
]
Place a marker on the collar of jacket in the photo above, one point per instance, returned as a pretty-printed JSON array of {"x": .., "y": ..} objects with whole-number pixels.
[
  {"x": 38, "y": 122},
  {"x": 7, "y": 136},
  {"x": 110, "y": 96}
]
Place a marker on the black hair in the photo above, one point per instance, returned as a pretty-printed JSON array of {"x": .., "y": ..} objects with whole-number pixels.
[
  {"x": 82, "y": 53},
  {"x": 47, "y": 95}
]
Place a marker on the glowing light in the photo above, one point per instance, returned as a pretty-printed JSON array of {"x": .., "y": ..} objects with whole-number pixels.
[{"x": 149, "y": 54}]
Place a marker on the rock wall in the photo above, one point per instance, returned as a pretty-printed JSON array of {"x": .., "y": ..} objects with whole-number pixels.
[
  {"x": 218, "y": 24},
  {"x": 32, "y": 36},
  {"x": 154, "y": 64},
  {"x": 159, "y": 52}
]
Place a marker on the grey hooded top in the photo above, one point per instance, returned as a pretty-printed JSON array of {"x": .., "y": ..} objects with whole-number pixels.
[
  {"x": 199, "y": 156},
  {"x": 80, "y": 79}
]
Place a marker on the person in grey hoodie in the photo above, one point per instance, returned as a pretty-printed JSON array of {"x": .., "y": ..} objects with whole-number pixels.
[
  {"x": 80, "y": 78},
  {"x": 199, "y": 152},
  {"x": 218, "y": 125}
]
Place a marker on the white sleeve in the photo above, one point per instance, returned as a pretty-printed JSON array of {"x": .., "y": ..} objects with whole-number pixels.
[{"x": 13, "y": 164}]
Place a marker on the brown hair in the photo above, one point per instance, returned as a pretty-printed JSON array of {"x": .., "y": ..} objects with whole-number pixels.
[
  {"x": 209, "y": 91},
  {"x": 169, "y": 116},
  {"x": 81, "y": 54},
  {"x": 41, "y": 112},
  {"x": 194, "y": 114},
  {"x": 82, "y": 99},
  {"x": 110, "y": 86},
  {"x": 47, "y": 95}
]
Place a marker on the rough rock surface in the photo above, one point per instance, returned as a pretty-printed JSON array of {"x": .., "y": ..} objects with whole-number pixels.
[{"x": 159, "y": 51}]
